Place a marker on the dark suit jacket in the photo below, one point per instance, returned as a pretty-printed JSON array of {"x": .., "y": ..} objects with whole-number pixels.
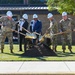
[
  {"x": 25, "y": 25},
  {"x": 37, "y": 27}
]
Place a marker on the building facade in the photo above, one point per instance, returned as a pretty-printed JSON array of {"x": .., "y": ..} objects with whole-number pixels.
[{"x": 40, "y": 10}]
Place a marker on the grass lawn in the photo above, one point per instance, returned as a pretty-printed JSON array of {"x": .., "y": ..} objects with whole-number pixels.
[{"x": 17, "y": 56}]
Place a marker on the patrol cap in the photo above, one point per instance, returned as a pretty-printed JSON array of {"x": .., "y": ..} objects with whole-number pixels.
[
  {"x": 35, "y": 16},
  {"x": 64, "y": 13},
  {"x": 25, "y": 16},
  {"x": 9, "y": 13},
  {"x": 49, "y": 15}
]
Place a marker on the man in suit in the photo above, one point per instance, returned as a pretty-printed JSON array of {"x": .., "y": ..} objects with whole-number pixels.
[
  {"x": 35, "y": 26},
  {"x": 23, "y": 24},
  {"x": 0, "y": 34}
]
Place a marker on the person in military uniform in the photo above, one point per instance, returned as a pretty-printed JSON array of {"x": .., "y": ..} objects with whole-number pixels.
[
  {"x": 23, "y": 24},
  {"x": 0, "y": 34},
  {"x": 36, "y": 26},
  {"x": 53, "y": 30},
  {"x": 8, "y": 23},
  {"x": 66, "y": 25}
]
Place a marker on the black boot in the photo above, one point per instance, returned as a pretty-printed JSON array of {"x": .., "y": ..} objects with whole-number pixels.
[
  {"x": 55, "y": 50},
  {"x": 20, "y": 50}
]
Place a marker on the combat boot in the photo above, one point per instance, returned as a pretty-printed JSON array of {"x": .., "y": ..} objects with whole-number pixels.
[
  {"x": 11, "y": 51},
  {"x": 70, "y": 51},
  {"x": 1, "y": 50},
  {"x": 63, "y": 50}
]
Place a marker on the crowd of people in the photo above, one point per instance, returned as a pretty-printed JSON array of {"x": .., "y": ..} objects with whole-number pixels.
[{"x": 64, "y": 27}]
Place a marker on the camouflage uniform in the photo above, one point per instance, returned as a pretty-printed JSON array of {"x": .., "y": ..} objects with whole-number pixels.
[
  {"x": 6, "y": 32},
  {"x": 53, "y": 30},
  {"x": 66, "y": 25},
  {"x": 0, "y": 36}
]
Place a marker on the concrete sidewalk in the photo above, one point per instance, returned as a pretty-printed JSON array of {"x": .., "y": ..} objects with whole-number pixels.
[{"x": 38, "y": 67}]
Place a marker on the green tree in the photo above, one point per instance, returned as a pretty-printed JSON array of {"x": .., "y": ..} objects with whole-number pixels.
[{"x": 62, "y": 5}]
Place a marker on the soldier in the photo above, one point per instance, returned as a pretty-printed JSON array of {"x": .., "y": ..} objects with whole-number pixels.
[
  {"x": 35, "y": 26},
  {"x": 0, "y": 34},
  {"x": 23, "y": 24},
  {"x": 8, "y": 23},
  {"x": 53, "y": 29},
  {"x": 66, "y": 24}
]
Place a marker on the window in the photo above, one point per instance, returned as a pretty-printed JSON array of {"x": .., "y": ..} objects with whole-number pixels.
[
  {"x": 37, "y": 1},
  {"x": 11, "y": 2}
]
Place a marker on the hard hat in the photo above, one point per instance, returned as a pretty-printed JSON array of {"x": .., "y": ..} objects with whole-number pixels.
[
  {"x": 49, "y": 15},
  {"x": 25, "y": 16},
  {"x": 9, "y": 13},
  {"x": 35, "y": 16},
  {"x": 64, "y": 13}
]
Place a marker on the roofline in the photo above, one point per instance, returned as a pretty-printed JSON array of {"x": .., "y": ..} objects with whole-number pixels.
[
  {"x": 24, "y": 8},
  {"x": 22, "y": 5}
]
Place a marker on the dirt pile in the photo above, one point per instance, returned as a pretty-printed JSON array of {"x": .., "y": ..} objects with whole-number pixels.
[{"x": 39, "y": 51}]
